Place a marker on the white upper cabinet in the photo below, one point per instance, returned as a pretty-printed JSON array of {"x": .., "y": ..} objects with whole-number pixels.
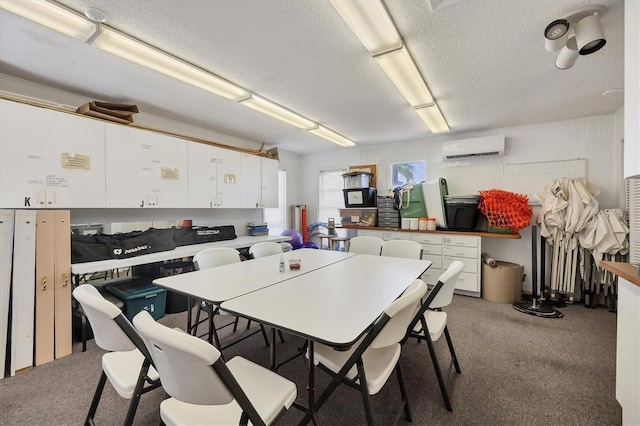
[
  {"x": 145, "y": 169},
  {"x": 270, "y": 169},
  {"x": 214, "y": 177},
  {"x": 50, "y": 159},
  {"x": 260, "y": 181}
]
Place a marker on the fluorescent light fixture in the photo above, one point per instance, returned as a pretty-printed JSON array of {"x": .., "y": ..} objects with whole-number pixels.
[
  {"x": 370, "y": 21},
  {"x": 332, "y": 136},
  {"x": 52, "y": 15},
  {"x": 136, "y": 51},
  {"x": 274, "y": 110},
  {"x": 433, "y": 118},
  {"x": 404, "y": 73}
]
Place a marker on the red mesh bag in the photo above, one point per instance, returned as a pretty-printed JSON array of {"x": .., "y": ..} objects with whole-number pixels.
[{"x": 505, "y": 209}]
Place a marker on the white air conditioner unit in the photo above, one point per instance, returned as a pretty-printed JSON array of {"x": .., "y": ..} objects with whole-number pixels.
[{"x": 489, "y": 146}]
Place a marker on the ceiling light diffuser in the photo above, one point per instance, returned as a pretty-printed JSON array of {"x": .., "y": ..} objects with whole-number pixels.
[
  {"x": 370, "y": 21},
  {"x": 433, "y": 118},
  {"x": 403, "y": 72},
  {"x": 274, "y": 110},
  {"x": 52, "y": 15},
  {"x": 136, "y": 51},
  {"x": 332, "y": 136}
]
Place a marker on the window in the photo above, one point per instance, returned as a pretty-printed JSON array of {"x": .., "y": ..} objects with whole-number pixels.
[
  {"x": 331, "y": 198},
  {"x": 277, "y": 217},
  {"x": 408, "y": 172}
]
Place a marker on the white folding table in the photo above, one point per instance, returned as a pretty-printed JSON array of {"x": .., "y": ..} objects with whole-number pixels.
[{"x": 334, "y": 305}]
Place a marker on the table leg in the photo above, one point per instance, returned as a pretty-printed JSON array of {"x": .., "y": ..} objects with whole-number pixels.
[
  {"x": 189, "y": 313},
  {"x": 312, "y": 386},
  {"x": 272, "y": 350}
]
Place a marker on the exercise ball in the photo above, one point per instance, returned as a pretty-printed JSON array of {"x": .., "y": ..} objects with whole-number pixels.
[
  {"x": 296, "y": 237},
  {"x": 309, "y": 244}
]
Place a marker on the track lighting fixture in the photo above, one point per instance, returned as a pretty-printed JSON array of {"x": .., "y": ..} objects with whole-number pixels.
[{"x": 578, "y": 33}]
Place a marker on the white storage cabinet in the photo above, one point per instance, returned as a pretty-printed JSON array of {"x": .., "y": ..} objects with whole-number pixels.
[
  {"x": 50, "y": 159},
  {"x": 260, "y": 182},
  {"x": 214, "y": 177},
  {"x": 145, "y": 169}
]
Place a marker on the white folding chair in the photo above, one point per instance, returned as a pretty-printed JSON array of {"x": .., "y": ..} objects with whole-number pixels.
[
  {"x": 402, "y": 248},
  {"x": 265, "y": 248},
  {"x": 431, "y": 322},
  {"x": 366, "y": 245},
  {"x": 127, "y": 365},
  {"x": 211, "y": 258},
  {"x": 369, "y": 363},
  {"x": 206, "y": 390}
]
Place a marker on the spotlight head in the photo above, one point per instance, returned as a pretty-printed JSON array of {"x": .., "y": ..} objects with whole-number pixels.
[
  {"x": 556, "y": 35},
  {"x": 589, "y": 35},
  {"x": 568, "y": 55}
]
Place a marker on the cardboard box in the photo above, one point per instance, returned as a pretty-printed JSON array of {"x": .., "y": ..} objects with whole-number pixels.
[
  {"x": 502, "y": 283},
  {"x": 119, "y": 113}
]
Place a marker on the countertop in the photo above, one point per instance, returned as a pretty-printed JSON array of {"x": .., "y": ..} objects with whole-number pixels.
[
  {"x": 625, "y": 270},
  {"x": 515, "y": 236}
]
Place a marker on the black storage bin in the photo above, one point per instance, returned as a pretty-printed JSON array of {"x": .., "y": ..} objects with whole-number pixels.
[
  {"x": 462, "y": 211},
  {"x": 360, "y": 197}
]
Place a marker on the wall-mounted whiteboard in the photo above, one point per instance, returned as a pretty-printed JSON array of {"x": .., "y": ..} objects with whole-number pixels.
[{"x": 528, "y": 178}]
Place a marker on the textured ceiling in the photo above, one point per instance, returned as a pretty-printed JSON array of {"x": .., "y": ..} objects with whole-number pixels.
[{"x": 484, "y": 62}]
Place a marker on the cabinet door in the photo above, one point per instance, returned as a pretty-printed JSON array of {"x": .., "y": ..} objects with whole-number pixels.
[
  {"x": 145, "y": 169},
  {"x": 74, "y": 152},
  {"x": 202, "y": 192},
  {"x": 230, "y": 178},
  {"x": 251, "y": 181},
  {"x": 21, "y": 156},
  {"x": 269, "y": 187}
]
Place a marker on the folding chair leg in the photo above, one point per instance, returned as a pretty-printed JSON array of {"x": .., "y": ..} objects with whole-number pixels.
[
  {"x": 364, "y": 391},
  {"x": 96, "y": 399},
  {"x": 403, "y": 393},
  {"x": 434, "y": 359},
  {"x": 194, "y": 332},
  {"x": 451, "y": 350}
]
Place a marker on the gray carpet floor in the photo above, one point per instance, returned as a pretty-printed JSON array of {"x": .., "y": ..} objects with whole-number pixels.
[{"x": 517, "y": 369}]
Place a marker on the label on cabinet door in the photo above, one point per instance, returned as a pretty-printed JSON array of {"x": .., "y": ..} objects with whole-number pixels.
[
  {"x": 70, "y": 160},
  {"x": 169, "y": 173}
]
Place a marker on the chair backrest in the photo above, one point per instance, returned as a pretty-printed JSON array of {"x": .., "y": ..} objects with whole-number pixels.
[
  {"x": 400, "y": 313},
  {"x": 184, "y": 363},
  {"x": 444, "y": 295},
  {"x": 216, "y": 256},
  {"x": 402, "y": 248},
  {"x": 366, "y": 245},
  {"x": 102, "y": 314},
  {"x": 265, "y": 248}
]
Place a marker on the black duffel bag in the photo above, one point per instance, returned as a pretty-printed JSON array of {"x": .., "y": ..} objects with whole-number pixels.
[
  {"x": 87, "y": 248},
  {"x": 136, "y": 243},
  {"x": 203, "y": 234}
]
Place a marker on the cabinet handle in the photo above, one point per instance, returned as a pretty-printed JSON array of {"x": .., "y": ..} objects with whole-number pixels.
[
  {"x": 44, "y": 282},
  {"x": 66, "y": 279}
]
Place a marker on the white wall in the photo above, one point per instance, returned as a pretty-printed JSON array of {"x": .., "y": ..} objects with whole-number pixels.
[{"x": 593, "y": 139}]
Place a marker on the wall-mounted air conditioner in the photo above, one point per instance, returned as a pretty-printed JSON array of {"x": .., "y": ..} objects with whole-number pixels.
[{"x": 489, "y": 146}]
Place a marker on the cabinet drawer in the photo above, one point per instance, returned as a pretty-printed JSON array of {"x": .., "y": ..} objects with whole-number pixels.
[
  {"x": 431, "y": 249},
  {"x": 468, "y": 282},
  {"x": 369, "y": 233},
  {"x": 431, "y": 275},
  {"x": 395, "y": 236},
  {"x": 471, "y": 252},
  {"x": 436, "y": 261},
  {"x": 470, "y": 265},
  {"x": 461, "y": 241},
  {"x": 427, "y": 238}
]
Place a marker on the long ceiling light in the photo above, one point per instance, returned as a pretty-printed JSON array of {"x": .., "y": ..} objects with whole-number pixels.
[
  {"x": 433, "y": 118},
  {"x": 52, "y": 15},
  {"x": 372, "y": 24},
  {"x": 133, "y": 50},
  {"x": 403, "y": 72},
  {"x": 66, "y": 21},
  {"x": 274, "y": 110},
  {"x": 332, "y": 136}
]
